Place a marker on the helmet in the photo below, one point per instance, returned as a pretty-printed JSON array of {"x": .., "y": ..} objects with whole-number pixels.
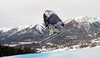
[{"x": 46, "y": 10}]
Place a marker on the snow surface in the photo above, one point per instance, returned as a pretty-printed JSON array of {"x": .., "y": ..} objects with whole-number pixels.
[
  {"x": 5, "y": 29},
  {"x": 39, "y": 27},
  {"x": 82, "y": 53},
  {"x": 87, "y": 19},
  {"x": 22, "y": 27},
  {"x": 18, "y": 27}
]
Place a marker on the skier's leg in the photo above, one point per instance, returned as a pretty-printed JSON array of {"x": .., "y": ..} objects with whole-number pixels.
[
  {"x": 51, "y": 30},
  {"x": 61, "y": 24},
  {"x": 56, "y": 30}
]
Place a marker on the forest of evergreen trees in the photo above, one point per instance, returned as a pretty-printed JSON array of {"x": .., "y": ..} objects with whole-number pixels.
[{"x": 8, "y": 51}]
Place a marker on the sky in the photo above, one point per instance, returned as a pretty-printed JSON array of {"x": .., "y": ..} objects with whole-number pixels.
[{"x": 26, "y": 12}]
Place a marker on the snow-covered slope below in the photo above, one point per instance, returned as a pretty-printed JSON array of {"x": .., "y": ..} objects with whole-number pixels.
[{"x": 82, "y": 53}]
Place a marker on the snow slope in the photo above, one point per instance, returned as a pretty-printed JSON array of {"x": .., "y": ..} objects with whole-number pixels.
[
  {"x": 82, "y": 53},
  {"x": 5, "y": 29},
  {"x": 87, "y": 18}
]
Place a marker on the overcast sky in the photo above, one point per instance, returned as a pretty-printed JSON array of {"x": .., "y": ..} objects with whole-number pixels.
[{"x": 26, "y": 12}]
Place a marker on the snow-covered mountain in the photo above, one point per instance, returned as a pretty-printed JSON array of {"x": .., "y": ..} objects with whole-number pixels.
[
  {"x": 22, "y": 32},
  {"x": 18, "y": 28},
  {"x": 79, "y": 31},
  {"x": 87, "y": 18},
  {"x": 4, "y": 29},
  {"x": 81, "y": 34},
  {"x": 72, "y": 32}
]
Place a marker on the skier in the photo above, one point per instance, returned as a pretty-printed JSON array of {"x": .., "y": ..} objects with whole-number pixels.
[{"x": 52, "y": 22}]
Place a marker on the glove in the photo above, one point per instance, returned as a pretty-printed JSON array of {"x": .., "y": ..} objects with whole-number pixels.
[
  {"x": 63, "y": 25},
  {"x": 47, "y": 27}
]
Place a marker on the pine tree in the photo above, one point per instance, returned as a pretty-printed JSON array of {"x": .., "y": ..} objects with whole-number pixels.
[
  {"x": 8, "y": 51},
  {"x": 0, "y": 51}
]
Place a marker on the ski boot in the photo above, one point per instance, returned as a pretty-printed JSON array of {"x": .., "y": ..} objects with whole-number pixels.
[{"x": 56, "y": 31}]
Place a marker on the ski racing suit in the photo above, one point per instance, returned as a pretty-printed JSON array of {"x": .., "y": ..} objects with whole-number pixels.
[{"x": 52, "y": 21}]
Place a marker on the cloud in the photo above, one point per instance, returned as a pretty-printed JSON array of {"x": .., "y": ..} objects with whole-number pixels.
[{"x": 14, "y": 12}]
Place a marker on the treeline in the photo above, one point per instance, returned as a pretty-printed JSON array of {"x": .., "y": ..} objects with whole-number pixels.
[{"x": 8, "y": 51}]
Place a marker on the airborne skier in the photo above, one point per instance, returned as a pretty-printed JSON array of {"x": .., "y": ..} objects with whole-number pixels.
[{"x": 52, "y": 21}]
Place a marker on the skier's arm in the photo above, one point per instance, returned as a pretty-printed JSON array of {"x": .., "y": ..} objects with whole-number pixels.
[
  {"x": 45, "y": 20},
  {"x": 58, "y": 18},
  {"x": 61, "y": 21}
]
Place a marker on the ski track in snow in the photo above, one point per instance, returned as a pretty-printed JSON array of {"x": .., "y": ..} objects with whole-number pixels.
[{"x": 82, "y": 53}]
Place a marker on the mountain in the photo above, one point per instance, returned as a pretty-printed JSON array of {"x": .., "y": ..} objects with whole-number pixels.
[
  {"x": 72, "y": 34},
  {"x": 81, "y": 31},
  {"x": 2, "y": 30},
  {"x": 23, "y": 33}
]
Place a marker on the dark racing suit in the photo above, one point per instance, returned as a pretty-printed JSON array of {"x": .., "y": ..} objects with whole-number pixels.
[
  {"x": 51, "y": 18},
  {"x": 52, "y": 22}
]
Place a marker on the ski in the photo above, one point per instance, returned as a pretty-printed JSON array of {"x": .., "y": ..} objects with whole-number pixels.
[
  {"x": 46, "y": 39},
  {"x": 55, "y": 35},
  {"x": 52, "y": 36}
]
